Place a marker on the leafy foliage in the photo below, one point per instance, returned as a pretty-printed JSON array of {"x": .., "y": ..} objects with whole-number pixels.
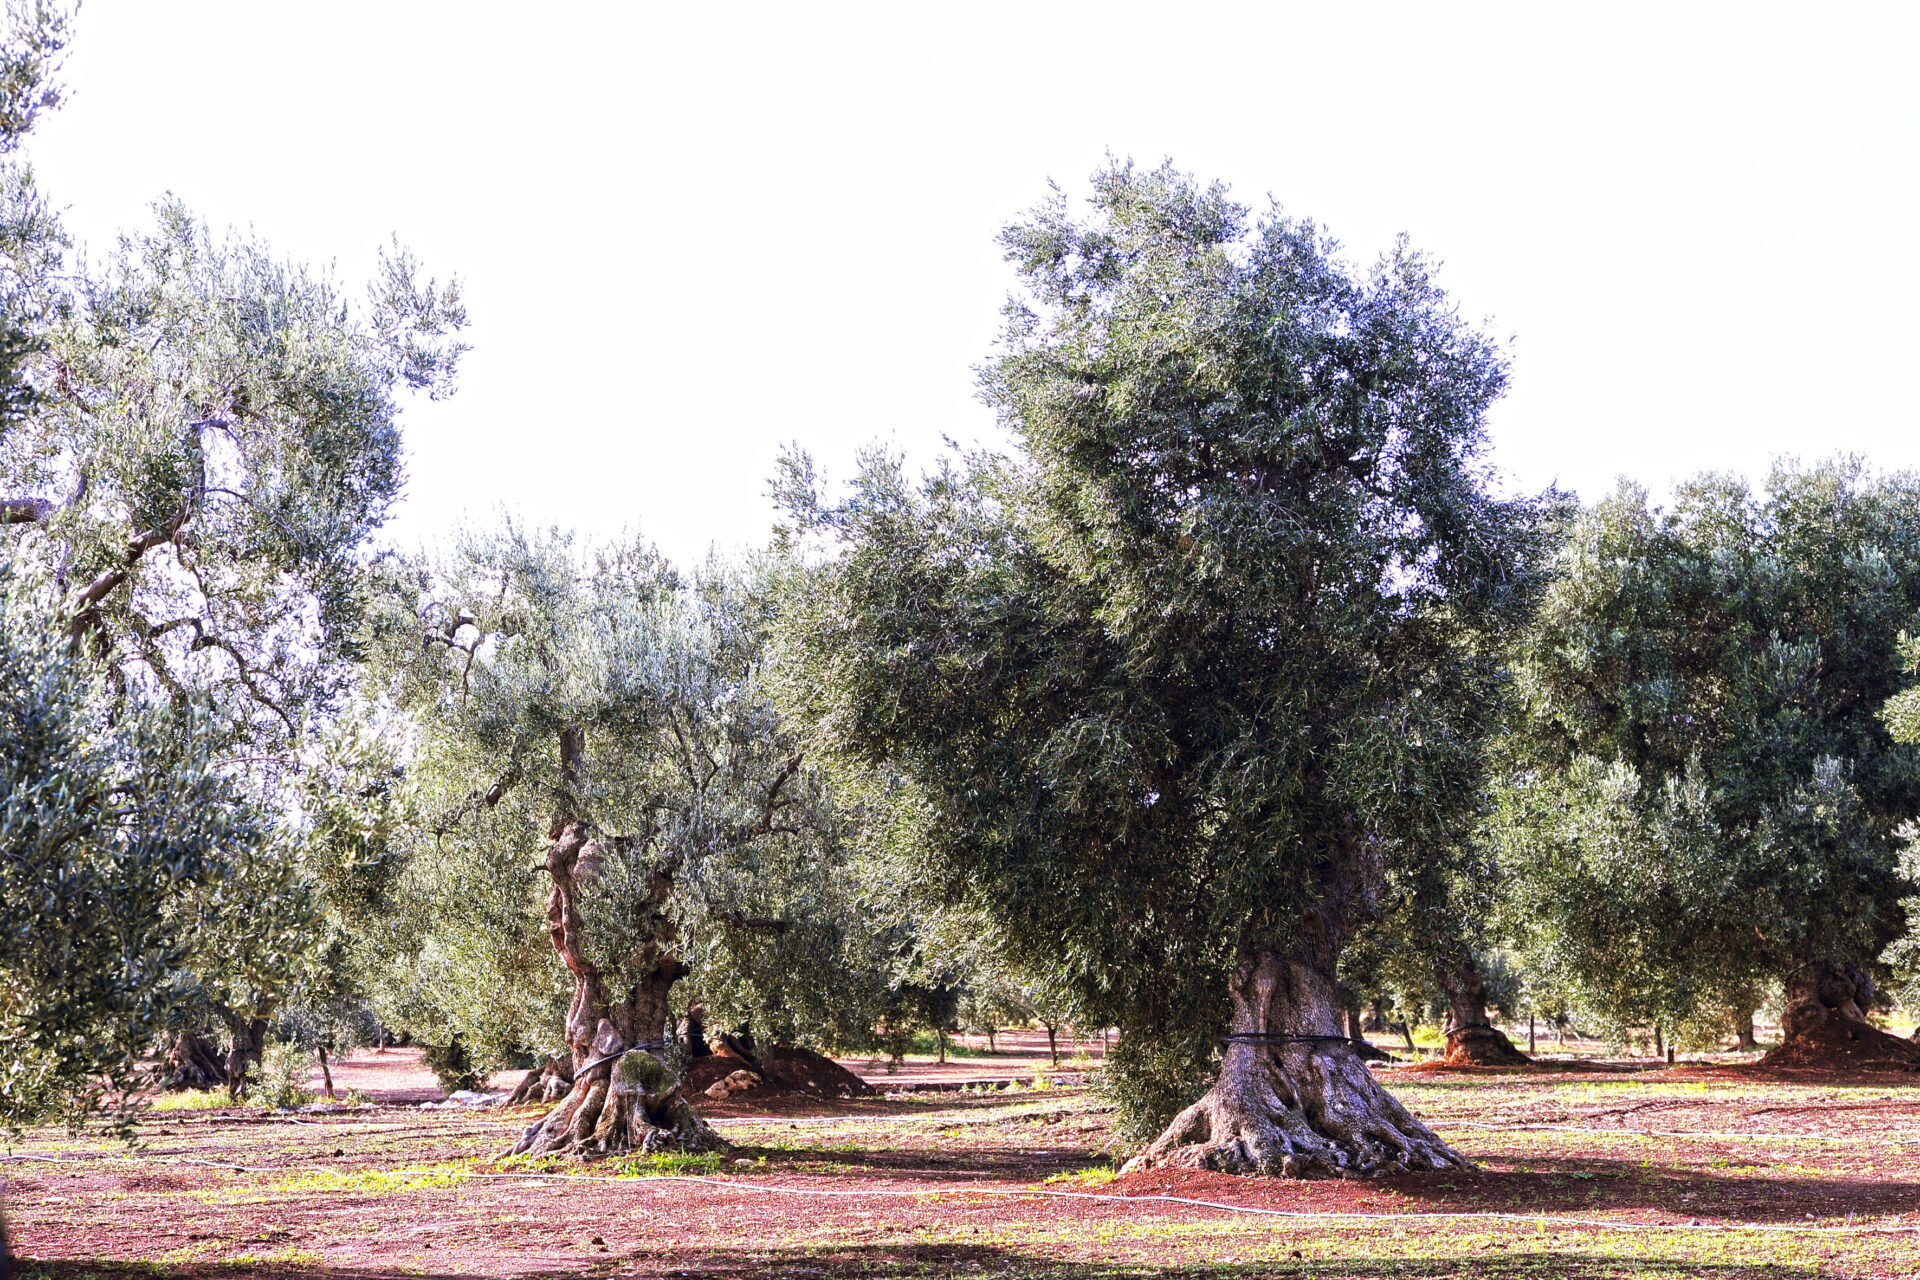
[
  {"x": 213, "y": 440},
  {"x": 1701, "y": 796},
  {"x": 723, "y": 847},
  {"x": 115, "y": 824}
]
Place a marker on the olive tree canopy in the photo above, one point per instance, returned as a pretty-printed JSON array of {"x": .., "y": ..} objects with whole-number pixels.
[
  {"x": 1702, "y": 802},
  {"x": 605, "y": 780},
  {"x": 1175, "y": 689}
]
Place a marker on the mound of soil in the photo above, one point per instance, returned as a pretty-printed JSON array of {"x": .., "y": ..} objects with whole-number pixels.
[
  {"x": 787, "y": 1071},
  {"x": 1838, "y": 1045}
]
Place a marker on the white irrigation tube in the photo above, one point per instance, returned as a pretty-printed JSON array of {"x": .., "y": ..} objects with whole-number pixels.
[{"x": 1313, "y": 1215}]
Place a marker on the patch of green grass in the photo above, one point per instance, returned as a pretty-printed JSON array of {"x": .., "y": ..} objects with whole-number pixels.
[
  {"x": 683, "y": 1164},
  {"x": 282, "y": 1257},
  {"x": 1097, "y": 1176},
  {"x": 190, "y": 1100},
  {"x": 375, "y": 1181}
]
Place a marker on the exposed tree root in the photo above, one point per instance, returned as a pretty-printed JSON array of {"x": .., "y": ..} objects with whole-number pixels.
[
  {"x": 637, "y": 1108},
  {"x": 1298, "y": 1111}
]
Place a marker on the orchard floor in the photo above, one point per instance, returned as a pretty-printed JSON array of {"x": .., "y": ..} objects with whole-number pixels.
[{"x": 1691, "y": 1171}]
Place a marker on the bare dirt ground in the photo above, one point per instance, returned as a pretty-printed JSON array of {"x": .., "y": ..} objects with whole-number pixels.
[{"x": 1696, "y": 1170}]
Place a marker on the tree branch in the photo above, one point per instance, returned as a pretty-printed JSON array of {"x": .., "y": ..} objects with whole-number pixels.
[{"x": 477, "y": 799}]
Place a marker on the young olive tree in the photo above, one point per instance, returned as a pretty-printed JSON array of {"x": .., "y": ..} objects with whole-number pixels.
[
  {"x": 1702, "y": 801},
  {"x": 1180, "y": 685},
  {"x": 599, "y": 723}
]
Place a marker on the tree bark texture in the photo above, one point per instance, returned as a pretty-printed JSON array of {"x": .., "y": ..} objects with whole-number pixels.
[
  {"x": 1825, "y": 1022},
  {"x": 615, "y": 1104},
  {"x": 1304, "y": 1106},
  {"x": 1743, "y": 1033},
  {"x": 247, "y": 1044},
  {"x": 194, "y": 1064},
  {"x": 1473, "y": 1040}
]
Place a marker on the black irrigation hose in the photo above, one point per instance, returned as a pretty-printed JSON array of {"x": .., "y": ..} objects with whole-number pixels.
[
  {"x": 649, "y": 1047},
  {"x": 1274, "y": 1037}
]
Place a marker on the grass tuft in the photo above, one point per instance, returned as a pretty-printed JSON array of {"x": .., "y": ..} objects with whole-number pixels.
[{"x": 190, "y": 1100}]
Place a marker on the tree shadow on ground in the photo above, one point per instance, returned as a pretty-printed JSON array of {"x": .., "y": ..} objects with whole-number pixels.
[
  {"x": 881, "y": 1261},
  {"x": 1556, "y": 1184},
  {"x": 1575, "y": 1184}
]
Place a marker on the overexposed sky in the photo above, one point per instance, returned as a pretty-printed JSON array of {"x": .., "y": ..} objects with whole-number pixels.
[{"x": 690, "y": 233}]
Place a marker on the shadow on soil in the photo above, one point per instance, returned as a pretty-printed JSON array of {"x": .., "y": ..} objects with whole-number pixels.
[
  {"x": 961, "y": 1261},
  {"x": 1574, "y": 1185}
]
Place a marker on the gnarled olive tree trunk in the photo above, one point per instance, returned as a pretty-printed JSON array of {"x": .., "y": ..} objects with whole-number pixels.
[
  {"x": 1293, "y": 1096},
  {"x": 1473, "y": 1040},
  {"x": 246, "y": 1047},
  {"x": 618, "y": 1101},
  {"x": 1826, "y": 1020}
]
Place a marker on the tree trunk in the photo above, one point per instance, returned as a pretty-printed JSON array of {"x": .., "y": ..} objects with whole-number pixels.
[
  {"x": 1659, "y": 1043},
  {"x": 194, "y": 1064},
  {"x": 326, "y": 1073},
  {"x": 991, "y": 1047},
  {"x": 1826, "y": 1022},
  {"x": 547, "y": 1082},
  {"x": 1472, "y": 1040},
  {"x": 1302, "y": 1106},
  {"x": 1053, "y": 1045},
  {"x": 1744, "y": 1040},
  {"x": 247, "y": 1043},
  {"x": 616, "y": 1103}
]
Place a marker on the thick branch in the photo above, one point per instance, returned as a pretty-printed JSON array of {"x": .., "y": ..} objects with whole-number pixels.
[
  {"x": 25, "y": 510},
  {"x": 477, "y": 800},
  {"x": 772, "y": 805},
  {"x": 104, "y": 585}
]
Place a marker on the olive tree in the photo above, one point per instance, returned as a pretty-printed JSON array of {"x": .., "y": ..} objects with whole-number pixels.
[
  {"x": 115, "y": 824},
  {"x": 1181, "y": 683},
  {"x": 204, "y": 440},
  {"x": 593, "y": 731},
  {"x": 1701, "y": 802}
]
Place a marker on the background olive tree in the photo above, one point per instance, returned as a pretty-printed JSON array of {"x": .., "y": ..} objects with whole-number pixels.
[
  {"x": 612, "y": 807},
  {"x": 1701, "y": 804}
]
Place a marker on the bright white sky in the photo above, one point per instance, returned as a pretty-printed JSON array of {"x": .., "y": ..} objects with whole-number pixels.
[{"x": 690, "y": 233}]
